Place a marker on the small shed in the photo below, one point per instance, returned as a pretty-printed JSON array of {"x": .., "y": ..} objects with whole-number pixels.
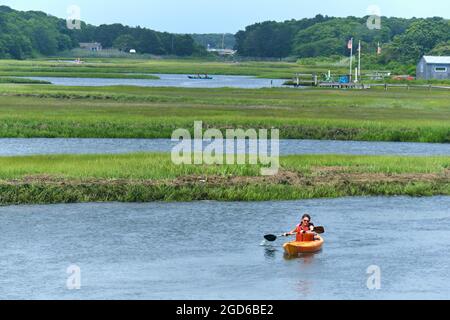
[
  {"x": 91, "y": 46},
  {"x": 432, "y": 67}
]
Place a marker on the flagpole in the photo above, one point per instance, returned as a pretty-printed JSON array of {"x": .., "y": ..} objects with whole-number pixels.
[
  {"x": 359, "y": 60},
  {"x": 351, "y": 60}
]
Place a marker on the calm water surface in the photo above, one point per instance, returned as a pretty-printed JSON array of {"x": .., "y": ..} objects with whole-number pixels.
[
  {"x": 17, "y": 147},
  {"x": 213, "y": 250},
  {"x": 170, "y": 80}
]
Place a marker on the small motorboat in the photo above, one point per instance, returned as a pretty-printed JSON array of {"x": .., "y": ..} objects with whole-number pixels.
[{"x": 206, "y": 77}]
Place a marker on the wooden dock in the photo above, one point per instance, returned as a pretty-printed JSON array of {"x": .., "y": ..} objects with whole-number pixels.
[{"x": 340, "y": 85}]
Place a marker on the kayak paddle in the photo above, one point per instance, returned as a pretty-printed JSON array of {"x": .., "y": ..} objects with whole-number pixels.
[
  {"x": 272, "y": 238},
  {"x": 319, "y": 230}
]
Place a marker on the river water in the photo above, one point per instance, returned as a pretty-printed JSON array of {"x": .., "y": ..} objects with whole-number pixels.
[
  {"x": 18, "y": 147},
  {"x": 214, "y": 250},
  {"x": 170, "y": 80}
]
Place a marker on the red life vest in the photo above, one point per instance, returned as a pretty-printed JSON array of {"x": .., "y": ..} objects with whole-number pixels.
[{"x": 300, "y": 236}]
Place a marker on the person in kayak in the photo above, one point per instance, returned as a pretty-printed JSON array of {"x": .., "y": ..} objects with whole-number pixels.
[{"x": 304, "y": 231}]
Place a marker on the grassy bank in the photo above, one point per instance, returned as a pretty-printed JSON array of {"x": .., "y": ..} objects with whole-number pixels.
[
  {"x": 66, "y": 74},
  {"x": 153, "y": 177},
  {"x": 134, "y": 112},
  {"x": 4, "y": 80}
]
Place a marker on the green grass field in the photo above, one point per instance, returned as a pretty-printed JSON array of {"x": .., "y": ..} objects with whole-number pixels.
[
  {"x": 4, "y": 80},
  {"x": 136, "y": 112},
  {"x": 156, "y": 166},
  {"x": 153, "y": 177}
]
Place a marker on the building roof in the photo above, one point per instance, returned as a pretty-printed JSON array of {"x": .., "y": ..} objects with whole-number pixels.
[
  {"x": 223, "y": 51},
  {"x": 437, "y": 60},
  {"x": 90, "y": 44}
]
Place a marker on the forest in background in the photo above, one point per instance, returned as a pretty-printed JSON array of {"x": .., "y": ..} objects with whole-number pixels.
[
  {"x": 403, "y": 41},
  {"x": 33, "y": 33}
]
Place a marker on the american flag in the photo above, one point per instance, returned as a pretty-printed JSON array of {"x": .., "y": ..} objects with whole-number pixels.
[{"x": 350, "y": 44}]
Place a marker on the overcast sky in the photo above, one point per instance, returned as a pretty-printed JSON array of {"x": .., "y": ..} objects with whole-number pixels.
[{"x": 217, "y": 16}]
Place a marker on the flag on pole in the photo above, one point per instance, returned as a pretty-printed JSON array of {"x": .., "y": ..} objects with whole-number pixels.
[
  {"x": 350, "y": 44},
  {"x": 379, "y": 49}
]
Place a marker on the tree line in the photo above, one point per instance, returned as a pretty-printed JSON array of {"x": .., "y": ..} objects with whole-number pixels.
[
  {"x": 215, "y": 40},
  {"x": 143, "y": 40},
  {"x": 33, "y": 33},
  {"x": 402, "y": 40}
]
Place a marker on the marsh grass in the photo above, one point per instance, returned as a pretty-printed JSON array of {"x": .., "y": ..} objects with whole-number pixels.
[
  {"x": 159, "y": 166},
  {"x": 37, "y": 110},
  {"x": 22, "y": 81},
  {"x": 132, "y": 166},
  {"x": 66, "y": 74},
  {"x": 48, "y": 194},
  {"x": 277, "y": 70},
  {"x": 133, "y": 112},
  {"x": 87, "y": 178}
]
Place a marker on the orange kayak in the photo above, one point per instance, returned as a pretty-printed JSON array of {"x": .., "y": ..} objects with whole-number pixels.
[{"x": 294, "y": 248}]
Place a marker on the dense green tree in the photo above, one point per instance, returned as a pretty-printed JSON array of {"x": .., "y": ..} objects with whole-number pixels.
[
  {"x": 148, "y": 41},
  {"x": 125, "y": 42},
  {"x": 24, "y": 34},
  {"x": 403, "y": 40},
  {"x": 184, "y": 45},
  {"x": 420, "y": 38},
  {"x": 215, "y": 40},
  {"x": 442, "y": 49},
  {"x": 45, "y": 39},
  {"x": 267, "y": 39},
  {"x": 272, "y": 39}
]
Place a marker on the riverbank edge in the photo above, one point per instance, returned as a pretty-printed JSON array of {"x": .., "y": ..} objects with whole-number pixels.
[
  {"x": 138, "y": 192},
  {"x": 78, "y": 75}
]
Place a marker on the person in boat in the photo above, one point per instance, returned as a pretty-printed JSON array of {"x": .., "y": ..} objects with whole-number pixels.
[{"x": 304, "y": 231}]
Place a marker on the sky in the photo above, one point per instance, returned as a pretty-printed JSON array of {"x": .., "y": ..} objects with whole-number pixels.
[{"x": 223, "y": 16}]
